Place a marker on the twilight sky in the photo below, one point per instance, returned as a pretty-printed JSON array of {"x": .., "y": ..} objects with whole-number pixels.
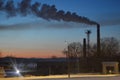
[{"x": 42, "y": 37}]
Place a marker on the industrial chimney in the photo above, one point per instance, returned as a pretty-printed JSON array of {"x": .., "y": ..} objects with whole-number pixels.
[
  {"x": 98, "y": 40},
  {"x": 84, "y": 48}
]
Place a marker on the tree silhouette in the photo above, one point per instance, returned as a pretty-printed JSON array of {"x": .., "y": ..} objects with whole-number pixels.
[
  {"x": 109, "y": 47},
  {"x": 74, "y": 50}
]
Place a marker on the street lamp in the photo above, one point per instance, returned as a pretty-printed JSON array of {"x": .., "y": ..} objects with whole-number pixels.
[{"x": 68, "y": 59}]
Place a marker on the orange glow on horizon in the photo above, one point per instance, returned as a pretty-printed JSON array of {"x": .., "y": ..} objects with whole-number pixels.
[{"x": 33, "y": 53}]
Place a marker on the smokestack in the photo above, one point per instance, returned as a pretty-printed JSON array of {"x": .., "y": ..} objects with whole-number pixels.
[
  {"x": 98, "y": 40},
  {"x": 84, "y": 48},
  {"x": 44, "y": 11}
]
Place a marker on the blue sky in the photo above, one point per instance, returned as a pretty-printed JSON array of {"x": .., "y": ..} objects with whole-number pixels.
[{"x": 30, "y": 36}]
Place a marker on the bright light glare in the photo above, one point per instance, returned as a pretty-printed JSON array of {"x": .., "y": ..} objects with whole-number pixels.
[{"x": 17, "y": 71}]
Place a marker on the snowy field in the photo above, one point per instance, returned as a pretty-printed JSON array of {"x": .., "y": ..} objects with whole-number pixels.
[
  {"x": 65, "y": 77},
  {"x": 83, "y": 78},
  {"x": 91, "y": 78}
]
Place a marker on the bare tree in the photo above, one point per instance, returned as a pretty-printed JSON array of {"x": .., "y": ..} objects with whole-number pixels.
[
  {"x": 74, "y": 50},
  {"x": 109, "y": 47}
]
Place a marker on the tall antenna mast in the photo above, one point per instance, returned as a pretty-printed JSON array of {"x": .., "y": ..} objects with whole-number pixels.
[{"x": 88, "y": 32}]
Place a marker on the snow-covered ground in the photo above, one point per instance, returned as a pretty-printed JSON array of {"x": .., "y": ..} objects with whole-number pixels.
[{"x": 65, "y": 77}]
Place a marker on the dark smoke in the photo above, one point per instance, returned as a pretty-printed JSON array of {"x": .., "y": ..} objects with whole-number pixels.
[
  {"x": 45, "y": 11},
  {"x": 10, "y": 8},
  {"x": 1, "y": 4},
  {"x": 25, "y": 7},
  {"x": 35, "y": 8}
]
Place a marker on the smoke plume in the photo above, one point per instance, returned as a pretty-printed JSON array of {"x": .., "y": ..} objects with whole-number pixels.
[{"x": 45, "y": 11}]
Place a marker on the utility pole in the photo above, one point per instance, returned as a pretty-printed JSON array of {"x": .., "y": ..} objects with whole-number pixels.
[
  {"x": 88, "y": 32},
  {"x": 68, "y": 59}
]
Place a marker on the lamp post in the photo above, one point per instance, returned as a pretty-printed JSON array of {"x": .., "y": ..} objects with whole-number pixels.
[{"x": 68, "y": 59}]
